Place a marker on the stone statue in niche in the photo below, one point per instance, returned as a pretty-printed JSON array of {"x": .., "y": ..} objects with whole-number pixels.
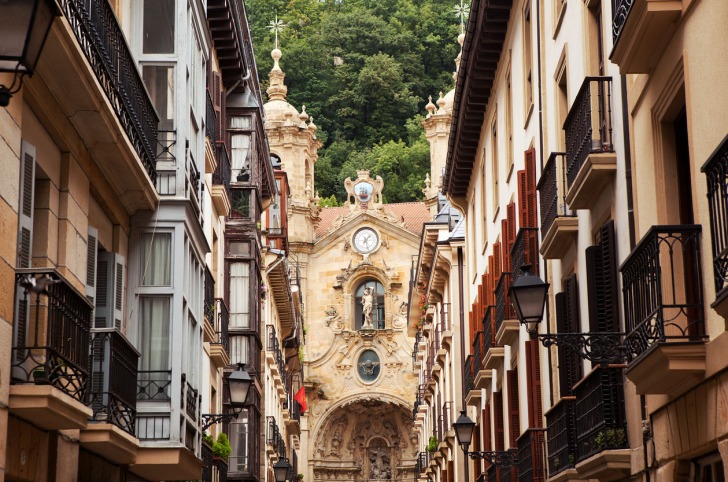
[
  {"x": 379, "y": 462},
  {"x": 367, "y": 301}
]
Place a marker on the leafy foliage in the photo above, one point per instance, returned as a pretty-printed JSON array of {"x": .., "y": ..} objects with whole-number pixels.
[{"x": 364, "y": 69}]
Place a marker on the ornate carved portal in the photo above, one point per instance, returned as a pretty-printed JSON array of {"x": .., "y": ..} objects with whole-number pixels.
[{"x": 363, "y": 441}]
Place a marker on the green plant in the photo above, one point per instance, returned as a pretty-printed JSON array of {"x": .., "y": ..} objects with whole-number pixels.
[
  {"x": 555, "y": 462},
  {"x": 300, "y": 353},
  {"x": 432, "y": 444},
  {"x": 221, "y": 448},
  {"x": 299, "y": 476},
  {"x": 611, "y": 437},
  {"x": 208, "y": 439},
  {"x": 572, "y": 459}
]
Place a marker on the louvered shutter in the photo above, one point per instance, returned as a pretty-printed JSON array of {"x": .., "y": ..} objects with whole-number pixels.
[
  {"x": 217, "y": 104},
  {"x": 522, "y": 200},
  {"x": 98, "y": 369},
  {"x": 487, "y": 443},
  {"x": 498, "y": 421},
  {"x": 567, "y": 366},
  {"x": 514, "y": 420},
  {"x": 497, "y": 261},
  {"x": 506, "y": 250},
  {"x": 608, "y": 279},
  {"x": 531, "y": 206},
  {"x": 25, "y": 242},
  {"x": 511, "y": 210},
  {"x": 91, "y": 251},
  {"x": 533, "y": 375},
  {"x": 109, "y": 291}
]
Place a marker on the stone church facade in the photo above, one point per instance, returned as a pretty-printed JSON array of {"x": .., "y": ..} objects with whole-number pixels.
[{"x": 354, "y": 263}]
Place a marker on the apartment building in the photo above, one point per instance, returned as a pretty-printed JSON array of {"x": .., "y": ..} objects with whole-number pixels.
[{"x": 124, "y": 234}]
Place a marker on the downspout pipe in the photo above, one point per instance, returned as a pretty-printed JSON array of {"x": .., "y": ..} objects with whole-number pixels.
[{"x": 461, "y": 302}]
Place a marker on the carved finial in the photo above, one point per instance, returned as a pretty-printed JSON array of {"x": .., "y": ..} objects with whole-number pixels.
[{"x": 430, "y": 107}]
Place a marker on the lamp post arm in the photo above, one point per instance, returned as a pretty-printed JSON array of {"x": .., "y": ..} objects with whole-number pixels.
[
  {"x": 604, "y": 348},
  {"x": 210, "y": 419},
  {"x": 499, "y": 458}
]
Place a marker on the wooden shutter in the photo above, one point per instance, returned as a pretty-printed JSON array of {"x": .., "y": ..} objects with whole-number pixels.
[
  {"x": 487, "y": 443},
  {"x": 514, "y": 420},
  {"x": 522, "y": 200},
  {"x": 498, "y": 421},
  {"x": 602, "y": 282},
  {"x": 533, "y": 386},
  {"x": 506, "y": 250},
  {"x": 511, "y": 210},
  {"x": 91, "y": 251},
  {"x": 530, "y": 178},
  {"x": 217, "y": 104},
  {"x": 25, "y": 211},
  {"x": 109, "y": 291},
  {"x": 497, "y": 262},
  {"x": 567, "y": 321}
]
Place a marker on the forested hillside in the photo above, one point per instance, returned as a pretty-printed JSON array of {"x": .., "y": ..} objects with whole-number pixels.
[{"x": 364, "y": 69}]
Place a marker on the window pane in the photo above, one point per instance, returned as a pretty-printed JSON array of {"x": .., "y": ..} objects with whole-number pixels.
[
  {"x": 154, "y": 342},
  {"x": 159, "y": 80},
  {"x": 240, "y": 295},
  {"x": 239, "y": 148},
  {"x": 240, "y": 248},
  {"x": 240, "y": 122},
  {"x": 158, "y": 27},
  {"x": 240, "y": 203},
  {"x": 156, "y": 259},
  {"x": 238, "y": 459}
]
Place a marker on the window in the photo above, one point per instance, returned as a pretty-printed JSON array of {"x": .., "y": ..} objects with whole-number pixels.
[
  {"x": 240, "y": 146},
  {"x": 156, "y": 259},
  {"x": 240, "y": 201},
  {"x": 369, "y": 306},
  {"x": 240, "y": 294},
  {"x": 154, "y": 347},
  {"x": 708, "y": 469},
  {"x": 527, "y": 59},
  {"x": 159, "y": 81},
  {"x": 239, "y": 429},
  {"x": 562, "y": 101},
  {"x": 509, "y": 126},
  {"x": 494, "y": 167},
  {"x": 158, "y": 33}
]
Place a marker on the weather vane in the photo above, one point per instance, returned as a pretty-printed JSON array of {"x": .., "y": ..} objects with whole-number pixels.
[
  {"x": 276, "y": 26},
  {"x": 462, "y": 11}
]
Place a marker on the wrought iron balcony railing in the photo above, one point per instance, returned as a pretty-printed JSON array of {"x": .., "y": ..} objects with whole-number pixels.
[
  {"x": 206, "y": 457},
  {"x": 190, "y": 396},
  {"x": 662, "y": 288},
  {"x": 524, "y": 252},
  {"x": 112, "y": 394},
  {"x": 444, "y": 321},
  {"x": 211, "y": 120},
  {"x": 716, "y": 172},
  {"x": 154, "y": 385},
  {"x": 102, "y": 41},
  {"x": 446, "y": 418},
  {"x": 223, "y": 321},
  {"x": 562, "y": 449},
  {"x": 621, "y": 12},
  {"x": 488, "y": 329},
  {"x": 274, "y": 437},
  {"x": 274, "y": 348},
  {"x": 531, "y": 455},
  {"x": 588, "y": 125},
  {"x": 51, "y": 335},
  {"x": 478, "y": 351},
  {"x": 552, "y": 192},
  {"x": 422, "y": 462},
  {"x": 209, "y": 297},
  {"x": 468, "y": 374},
  {"x": 599, "y": 413},
  {"x": 223, "y": 171},
  {"x": 503, "y": 308}
]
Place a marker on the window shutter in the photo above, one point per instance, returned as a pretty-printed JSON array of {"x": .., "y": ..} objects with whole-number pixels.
[
  {"x": 533, "y": 375},
  {"x": 498, "y": 420},
  {"x": 511, "y": 210},
  {"x": 486, "y": 428},
  {"x": 608, "y": 278},
  {"x": 109, "y": 291},
  {"x": 91, "y": 251},
  {"x": 567, "y": 321},
  {"x": 25, "y": 211},
  {"x": 497, "y": 262},
  {"x": 522, "y": 200},
  {"x": 531, "y": 207},
  {"x": 514, "y": 420},
  {"x": 506, "y": 249},
  {"x": 593, "y": 266}
]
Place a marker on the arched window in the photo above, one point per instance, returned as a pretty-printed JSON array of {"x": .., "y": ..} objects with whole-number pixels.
[{"x": 369, "y": 299}]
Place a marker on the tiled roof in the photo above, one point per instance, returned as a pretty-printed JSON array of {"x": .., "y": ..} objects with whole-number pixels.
[{"x": 414, "y": 215}]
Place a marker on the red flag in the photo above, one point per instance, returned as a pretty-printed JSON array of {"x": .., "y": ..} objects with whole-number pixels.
[{"x": 300, "y": 397}]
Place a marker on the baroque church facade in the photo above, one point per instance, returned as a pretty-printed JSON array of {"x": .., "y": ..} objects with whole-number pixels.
[{"x": 353, "y": 263}]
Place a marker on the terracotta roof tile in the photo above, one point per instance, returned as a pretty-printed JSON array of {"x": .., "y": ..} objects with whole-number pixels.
[{"x": 414, "y": 215}]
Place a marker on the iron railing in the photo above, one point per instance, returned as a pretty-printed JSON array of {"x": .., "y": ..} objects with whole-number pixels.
[
  {"x": 468, "y": 375},
  {"x": 479, "y": 351},
  {"x": 221, "y": 324},
  {"x": 599, "y": 413},
  {"x": 524, "y": 252},
  {"x": 51, "y": 332},
  {"x": 222, "y": 469},
  {"x": 716, "y": 172},
  {"x": 621, "y": 9},
  {"x": 190, "y": 398},
  {"x": 662, "y": 288},
  {"x": 552, "y": 192},
  {"x": 446, "y": 418},
  {"x": 562, "y": 453},
  {"x": 589, "y": 124},
  {"x": 150, "y": 426},
  {"x": 488, "y": 329},
  {"x": 104, "y": 44},
  {"x": 274, "y": 347},
  {"x": 223, "y": 170},
  {"x": 531, "y": 455},
  {"x": 444, "y": 321},
  {"x": 206, "y": 457},
  {"x": 154, "y": 385},
  {"x": 112, "y": 394},
  {"x": 275, "y": 438},
  {"x": 503, "y": 308},
  {"x": 209, "y": 297},
  {"x": 422, "y": 462},
  {"x": 211, "y": 121}
]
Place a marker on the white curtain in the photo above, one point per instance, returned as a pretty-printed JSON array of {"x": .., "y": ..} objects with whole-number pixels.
[
  {"x": 154, "y": 342},
  {"x": 240, "y": 295},
  {"x": 240, "y": 145},
  {"x": 157, "y": 260}
]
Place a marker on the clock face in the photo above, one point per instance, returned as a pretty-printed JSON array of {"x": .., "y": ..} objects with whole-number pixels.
[{"x": 365, "y": 240}]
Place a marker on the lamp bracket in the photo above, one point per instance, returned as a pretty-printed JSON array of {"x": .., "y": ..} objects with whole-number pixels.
[
  {"x": 499, "y": 458},
  {"x": 604, "y": 348},
  {"x": 210, "y": 419}
]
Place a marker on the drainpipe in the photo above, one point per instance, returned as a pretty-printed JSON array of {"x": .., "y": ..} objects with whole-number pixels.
[{"x": 461, "y": 301}]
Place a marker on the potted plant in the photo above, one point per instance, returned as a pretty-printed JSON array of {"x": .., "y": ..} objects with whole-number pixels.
[
  {"x": 299, "y": 477},
  {"x": 433, "y": 444},
  {"x": 221, "y": 448}
]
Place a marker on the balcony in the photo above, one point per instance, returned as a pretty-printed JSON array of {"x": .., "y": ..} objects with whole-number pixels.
[
  {"x": 559, "y": 225},
  {"x": 220, "y": 192},
  {"x": 274, "y": 439},
  {"x": 663, "y": 307},
  {"x": 445, "y": 325},
  {"x": 276, "y": 362},
  {"x": 220, "y": 345},
  {"x": 50, "y": 353},
  {"x": 112, "y": 397},
  {"x": 472, "y": 395},
  {"x": 277, "y": 238},
  {"x": 530, "y": 455},
  {"x": 561, "y": 430},
  {"x": 481, "y": 344},
  {"x": 590, "y": 159},
  {"x": 601, "y": 426},
  {"x": 212, "y": 122},
  {"x": 447, "y": 433},
  {"x": 209, "y": 307},
  {"x": 641, "y": 30},
  {"x": 506, "y": 322},
  {"x": 93, "y": 79},
  {"x": 716, "y": 172}
]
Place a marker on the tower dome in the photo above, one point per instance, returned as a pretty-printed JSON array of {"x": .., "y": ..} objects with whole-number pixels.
[{"x": 277, "y": 109}]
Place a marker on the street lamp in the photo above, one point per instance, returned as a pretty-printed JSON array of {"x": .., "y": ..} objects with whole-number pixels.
[
  {"x": 24, "y": 26},
  {"x": 464, "y": 427},
  {"x": 528, "y": 297},
  {"x": 280, "y": 469},
  {"x": 238, "y": 383}
]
